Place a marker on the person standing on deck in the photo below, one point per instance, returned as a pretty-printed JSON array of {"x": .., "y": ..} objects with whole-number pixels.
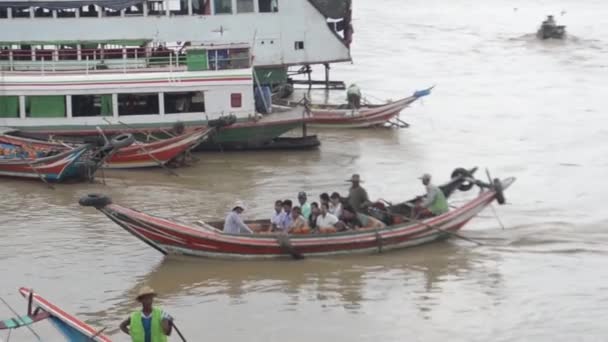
[
  {"x": 233, "y": 224},
  {"x": 357, "y": 196},
  {"x": 151, "y": 323},
  {"x": 434, "y": 203},
  {"x": 304, "y": 206},
  {"x": 353, "y": 95}
]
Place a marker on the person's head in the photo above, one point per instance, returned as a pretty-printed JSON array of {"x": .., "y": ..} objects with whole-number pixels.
[
  {"x": 296, "y": 212},
  {"x": 324, "y": 208},
  {"x": 324, "y": 197},
  {"x": 287, "y": 206},
  {"x": 146, "y": 296},
  {"x": 550, "y": 17},
  {"x": 355, "y": 180},
  {"x": 314, "y": 208},
  {"x": 335, "y": 198},
  {"x": 426, "y": 179},
  {"x": 278, "y": 206},
  {"x": 302, "y": 197},
  {"x": 348, "y": 212},
  {"x": 238, "y": 207}
]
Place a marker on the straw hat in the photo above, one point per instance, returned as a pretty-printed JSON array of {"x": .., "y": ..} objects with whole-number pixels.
[
  {"x": 355, "y": 178},
  {"x": 145, "y": 291}
]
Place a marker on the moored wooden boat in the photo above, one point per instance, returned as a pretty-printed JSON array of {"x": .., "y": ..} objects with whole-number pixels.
[
  {"x": 39, "y": 309},
  {"x": 170, "y": 237},
  {"x": 136, "y": 155},
  {"x": 368, "y": 115}
]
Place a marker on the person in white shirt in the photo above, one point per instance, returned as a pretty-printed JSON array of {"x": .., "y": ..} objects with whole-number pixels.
[
  {"x": 335, "y": 204},
  {"x": 233, "y": 224},
  {"x": 277, "y": 216},
  {"x": 326, "y": 221}
]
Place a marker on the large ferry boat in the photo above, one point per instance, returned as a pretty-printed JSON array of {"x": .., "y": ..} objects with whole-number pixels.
[{"x": 68, "y": 67}]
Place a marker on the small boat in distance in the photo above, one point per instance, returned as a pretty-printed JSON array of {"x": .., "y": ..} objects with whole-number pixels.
[
  {"x": 207, "y": 240},
  {"x": 550, "y": 30},
  {"x": 40, "y": 309},
  {"x": 345, "y": 116}
]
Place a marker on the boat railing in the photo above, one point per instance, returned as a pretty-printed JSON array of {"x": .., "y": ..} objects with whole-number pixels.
[{"x": 115, "y": 59}]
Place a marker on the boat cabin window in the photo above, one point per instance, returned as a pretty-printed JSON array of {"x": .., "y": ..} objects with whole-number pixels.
[
  {"x": 88, "y": 11},
  {"x": 244, "y": 6},
  {"x": 138, "y": 104},
  {"x": 236, "y": 100},
  {"x": 91, "y": 105},
  {"x": 223, "y": 6},
  {"x": 9, "y": 106},
  {"x": 134, "y": 11},
  {"x": 201, "y": 7},
  {"x": 108, "y": 12},
  {"x": 40, "y": 12},
  {"x": 179, "y": 8},
  {"x": 21, "y": 12},
  {"x": 222, "y": 59},
  {"x": 184, "y": 102},
  {"x": 5, "y": 53},
  {"x": 267, "y": 6},
  {"x": 3, "y": 12},
  {"x": 66, "y": 13},
  {"x": 155, "y": 7},
  {"x": 52, "y": 106}
]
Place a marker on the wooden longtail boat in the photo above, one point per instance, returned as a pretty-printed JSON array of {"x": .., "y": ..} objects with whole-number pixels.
[
  {"x": 170, "y": 237},
  {"x": 368, "y": 115},
  {"x": 137, "y": 155},
  {"x": 40, "y": 309}
]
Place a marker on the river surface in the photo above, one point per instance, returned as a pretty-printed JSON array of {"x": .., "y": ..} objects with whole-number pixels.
[{"x": 505, "y": 101}]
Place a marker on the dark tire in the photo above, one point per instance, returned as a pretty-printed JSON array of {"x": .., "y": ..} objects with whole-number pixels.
[
  {"x": 122, "y": 140},
  {"x": 462, "y": 172},
  {"x": 500, "y": 196},
  {"x": 95, "y": 200}
]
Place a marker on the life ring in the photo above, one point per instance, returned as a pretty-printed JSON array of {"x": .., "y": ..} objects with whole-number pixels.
[
  {"x": 95, "y": 200},
  {"x": 122, "y": 140},
  {"x": 462, "y": 172},
  {"x": 500, "y": 196}
]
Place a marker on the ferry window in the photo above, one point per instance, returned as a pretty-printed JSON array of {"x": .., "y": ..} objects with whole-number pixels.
[
  {"x": 45, "y": 106},
  {"x": 91, "y": 105},
  {"x": 108, "y": 12},
  {"x": 40, "y": 12},
  {"x": 3, "y": 13},
  {"x": 134, "y": 11},
  {"x": 244, "y": 6},
  {"x": 299, "y": 45},
  {"x": 266, "y": 6},
  {"x": 182, "y": 9},
  {"x": 201, "y": 7},
  {"x": 184, "y": 102},
  {"x": 21, "y": 12},
  {"x": 89, "y": 11},
  {"x": 138, "y": 104},
  {"x": 66, "y": 13},
  {"x": 223, "y": 6},
  {"x": 4, "y": 53},
  {"x": 236, "y": 100},
  {"x": 9, "y": 106},
  {"x": 155, "y": 7}
]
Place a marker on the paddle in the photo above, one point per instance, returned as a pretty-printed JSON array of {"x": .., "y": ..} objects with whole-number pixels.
[
  {"x": 434, "y": 228},
  {"x": 177, "y": 330}
]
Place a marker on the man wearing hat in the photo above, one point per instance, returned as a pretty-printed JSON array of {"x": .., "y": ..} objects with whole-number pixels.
[
  {"x": 151, "y": 323},
  {"x": 357, "y": 196},
  {"x": 304, "y": 206},
  {"x": 233, "y": 224},
  {"x": 434, "y": 203}
]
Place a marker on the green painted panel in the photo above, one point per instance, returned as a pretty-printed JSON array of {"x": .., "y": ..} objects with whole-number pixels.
[
  {"x": 9, "y": 106},
  {"x": 271, "y": 75},
  {"x": 106, "y": 105},
  {"x": 45, "y": 106},
  {"x": 197, "y": 60}
]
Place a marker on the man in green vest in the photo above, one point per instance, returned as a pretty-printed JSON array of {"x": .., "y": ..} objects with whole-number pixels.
[
  {"x": 434, "y": 203},
  {"x": 150, "y": 324}
]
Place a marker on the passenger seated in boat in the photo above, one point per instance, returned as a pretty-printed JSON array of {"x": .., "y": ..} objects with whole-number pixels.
[
  {"x": 286, "y": 221},
  {"x": 335, "y": 204},
  {"x": 233, "y": 224},
  {"x": 434, "y": 202},
  {"x": 305, "y": 206},
  {"x": 352, "y": 220},
  {"x": 326, "y": 222},
  {"x": 277, "y": 217},
  {"x": 314, "y": 213},
  {"x": 324, "y": 198},
  {"x": 353, "y": 95},
  {"x": 298, "y": 222}
]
